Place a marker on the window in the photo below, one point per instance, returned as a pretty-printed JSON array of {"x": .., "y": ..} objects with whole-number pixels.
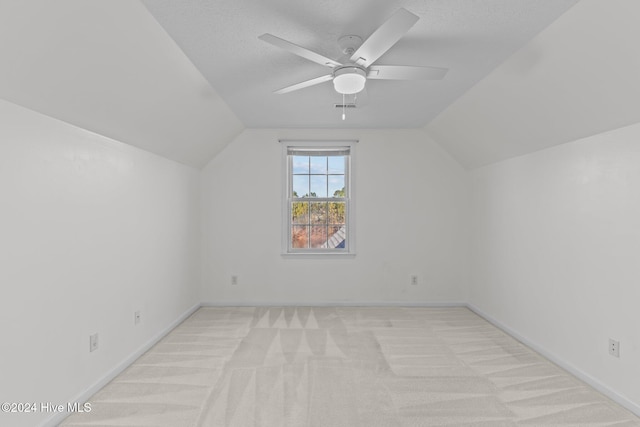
[{"x": 318, "y": 198}]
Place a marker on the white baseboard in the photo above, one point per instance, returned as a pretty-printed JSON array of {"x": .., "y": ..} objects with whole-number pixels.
[
  {"x": 611, "y": 394},
  {"x": 85, "y": 395},
  {"x": 333, "y": 304}
]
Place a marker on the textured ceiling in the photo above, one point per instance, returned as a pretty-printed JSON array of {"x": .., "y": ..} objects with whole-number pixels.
[
  {"x": 185, "y": 79},
  {"x": 577, "y": 78},
  {"x": 470, "y": 37}
]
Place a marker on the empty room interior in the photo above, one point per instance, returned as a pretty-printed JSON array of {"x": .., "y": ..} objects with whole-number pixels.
[{"x": 320, "y": 213}]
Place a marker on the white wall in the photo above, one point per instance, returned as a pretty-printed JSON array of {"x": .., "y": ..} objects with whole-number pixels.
[
  {"x": 90, "y": 231},
  {"x": 556, "y": 244},
  {"x": 411, "y": 206}
]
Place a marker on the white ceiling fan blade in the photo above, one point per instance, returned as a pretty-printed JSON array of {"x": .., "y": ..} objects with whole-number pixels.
[
  {"x": 384, "y": 37},
  {"x": 304, "y": 84},
  {"x": 300, "y": 51},
  {"x": 402, "y": 72}
]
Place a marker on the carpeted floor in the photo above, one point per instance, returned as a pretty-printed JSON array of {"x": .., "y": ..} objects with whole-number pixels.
[{"x": 343, "y": 366}]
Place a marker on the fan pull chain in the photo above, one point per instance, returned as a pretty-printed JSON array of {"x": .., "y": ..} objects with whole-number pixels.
[{"x": 344, "y": 114}]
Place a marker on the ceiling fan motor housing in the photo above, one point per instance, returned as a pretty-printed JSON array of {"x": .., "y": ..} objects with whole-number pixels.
[{"x": 349, "y": 79}]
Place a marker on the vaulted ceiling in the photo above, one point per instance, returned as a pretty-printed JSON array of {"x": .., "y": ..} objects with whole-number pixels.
[
  {"x": 107, "y": 66},
  {"x": 183, "y": 78},
  {"x": 470, "y": 37},
  {"x": 577, "y": 78}
]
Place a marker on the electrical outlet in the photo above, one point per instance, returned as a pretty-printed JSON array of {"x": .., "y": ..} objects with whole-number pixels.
[
  {"x": 234, "y": 280},
  {"x": 136, "y": 317},
  {"x": 414, "y": 280},
  {"x": 614, "y": 347},
  {"x": 93, "y": 342}
]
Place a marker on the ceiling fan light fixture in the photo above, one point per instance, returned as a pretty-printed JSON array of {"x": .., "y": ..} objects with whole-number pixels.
[{"x": 349, "y": 80}]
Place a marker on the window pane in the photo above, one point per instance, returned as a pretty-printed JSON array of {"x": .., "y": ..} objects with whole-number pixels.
[
  {"x": 300, "y": 212},
  {"x": 300, "y": 164},
  {"x": 318, "y": 212},
  {"x": 318, "y": 185},
  {"x": 299, "y": 237},
  {"x": 300, "y": 186},
  {"x": 317, "y": 172},
  {"x": 336, "y": 164},
  {"x": 337, "y": 213},
  {"x": 318, "y": 236},
  {"x": 337, "y": 237},
  {"x": 336, "y": 186},
  {"x": 318, "y": 165}
]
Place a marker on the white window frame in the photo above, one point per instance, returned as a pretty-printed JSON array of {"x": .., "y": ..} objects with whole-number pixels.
[{"x": 349, "y": 249}]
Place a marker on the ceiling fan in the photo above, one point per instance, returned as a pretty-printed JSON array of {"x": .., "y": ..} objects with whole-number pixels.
[{"x": 350, "y": 77}]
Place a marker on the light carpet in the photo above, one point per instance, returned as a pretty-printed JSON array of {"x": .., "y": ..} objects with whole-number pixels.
[{"x": 345, "y": 367}]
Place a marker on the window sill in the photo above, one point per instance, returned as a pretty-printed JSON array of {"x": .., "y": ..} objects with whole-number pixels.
[{"x": 318, "y": 255}]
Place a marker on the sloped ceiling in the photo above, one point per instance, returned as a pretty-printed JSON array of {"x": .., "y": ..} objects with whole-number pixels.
[
  {"x": 108, "y": 66},
  {"x": 578, "y": 77},
  {"x": 470, "y": 37}
]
